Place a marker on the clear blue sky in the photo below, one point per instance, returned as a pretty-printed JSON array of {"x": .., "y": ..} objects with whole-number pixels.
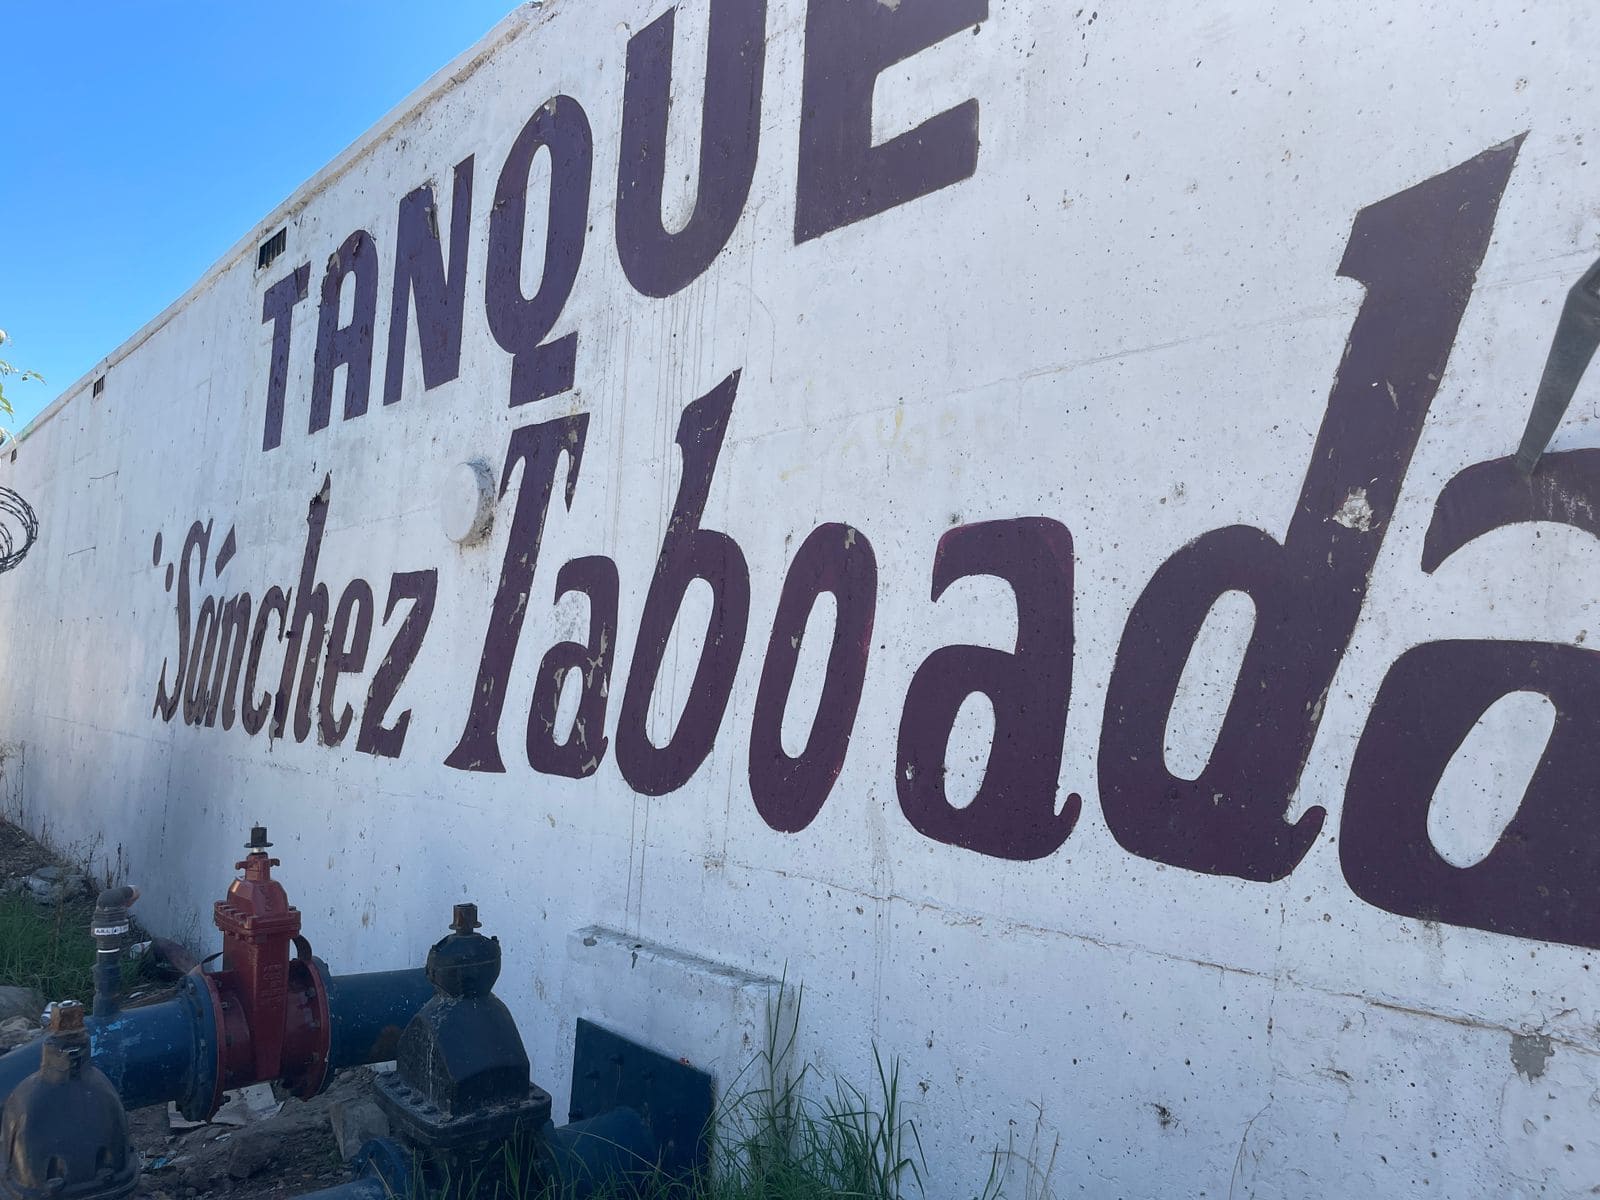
[{"x": 143, "y": 138}]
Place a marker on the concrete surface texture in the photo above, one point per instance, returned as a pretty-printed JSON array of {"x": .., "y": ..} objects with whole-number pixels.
[{"x": 1001, "y": 511}]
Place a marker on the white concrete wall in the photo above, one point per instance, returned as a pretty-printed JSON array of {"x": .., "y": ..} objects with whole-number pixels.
[{"x": 1129, "y": 320}]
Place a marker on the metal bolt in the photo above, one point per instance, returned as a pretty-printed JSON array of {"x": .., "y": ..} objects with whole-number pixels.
[
  {"x": 66, "y": 1016},
  {"x": 258, "y": 839},
  {"x": 464, "y": 918}
]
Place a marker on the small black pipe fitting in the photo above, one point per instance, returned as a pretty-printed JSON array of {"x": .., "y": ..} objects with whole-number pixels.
[{"x": 109, "y": 928}]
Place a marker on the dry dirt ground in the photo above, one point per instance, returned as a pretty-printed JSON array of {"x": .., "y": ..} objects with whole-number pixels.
[
  {"x": 20, "y": 855},
  {"x": 272, "y": 1154},
  {"x": 284, "y": 1155}
]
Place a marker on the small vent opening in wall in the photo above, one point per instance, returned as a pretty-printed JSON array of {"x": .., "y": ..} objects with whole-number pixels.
[
  {"x": 271, "y": 248},
  {"x": 99, "y": 385}
]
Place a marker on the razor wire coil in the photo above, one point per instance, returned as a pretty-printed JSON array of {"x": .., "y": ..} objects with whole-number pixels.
[{"x": 19, "y": 528}]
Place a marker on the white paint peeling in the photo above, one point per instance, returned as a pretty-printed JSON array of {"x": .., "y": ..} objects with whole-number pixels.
[{"x": 1355, "y": 512}]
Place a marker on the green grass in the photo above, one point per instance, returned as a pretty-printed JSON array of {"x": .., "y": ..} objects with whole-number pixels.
[
  {"x": 783, "y": 1134},
  {"x": 47, "y": 948},
  {"x": 780, "y": 1133}
]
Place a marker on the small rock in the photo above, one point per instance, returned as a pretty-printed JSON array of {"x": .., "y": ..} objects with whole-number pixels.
[
  {"x": 17, "y": 1031},
  {"x": 51, "y": 886},
  {"x": 43, "y": 891},
  {"x": 198, "y": 1175},
  {"x": 20, "y": 1002},
  {"x": 355, "y": 1123},
  {"x": 251, "y": 1154}
]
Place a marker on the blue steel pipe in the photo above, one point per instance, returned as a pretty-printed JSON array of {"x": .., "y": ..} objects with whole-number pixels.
[
  {"x": 580, "y": 1161},
  {"x": 168, "y": 1051},
  {"x": 161, "y": 1052},
  {"x": 368, "y": 1012},
  {"x": 148, "y": 1053},
  {"x": 597, "y": 1155}
]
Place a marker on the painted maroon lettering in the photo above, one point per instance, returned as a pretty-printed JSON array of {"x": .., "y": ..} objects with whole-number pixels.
[
  {"x": 843, "y": 176},
  {"x": 688, "y": 552},
  {"x": 233, "y": 637},
  {"x": 349, "y": 345},
  {"x": 254, "y": 710},
  {"x": 309, "y": 620},
  {"x": 311, "y": 613},
  {"x": 1014, "y": 813},
  {"x": 1417, "y": 255},
  {"x": 420, "y": 279},
  {"x": 221, "y": 647},
  {"x": 348, "y": 641},
  {"x": 1487, "y": 496},
  {"x": 790, "y": 790},
  {"x": 580, "y": 753},
  {"x": 1540, "y": 878},
  {"x": 421, "y": 588},
  {"x": 538, "y": 449},
  {"x": 196, "y": 688},
  {"x": 518, "y": 322},
  {"x": 198, "y": 542},
  {"x": 656, "y": 262},
  {"x": 277, "y": 307}
]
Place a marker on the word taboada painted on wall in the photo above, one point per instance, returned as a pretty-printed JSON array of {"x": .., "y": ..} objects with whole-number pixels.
[{"x": 1416, "y": 255}]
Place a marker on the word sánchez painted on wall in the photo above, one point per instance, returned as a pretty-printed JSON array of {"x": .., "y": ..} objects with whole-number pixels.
[{"x": 1416, "y": 254}]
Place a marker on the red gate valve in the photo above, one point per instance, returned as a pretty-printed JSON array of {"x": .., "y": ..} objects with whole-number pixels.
[{"x": 271, "y": 1010}]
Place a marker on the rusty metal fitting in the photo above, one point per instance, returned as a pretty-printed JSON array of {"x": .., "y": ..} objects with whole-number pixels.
[
  {"x": 464, "y": 918},
  {"x": 66, "y": 1016}
]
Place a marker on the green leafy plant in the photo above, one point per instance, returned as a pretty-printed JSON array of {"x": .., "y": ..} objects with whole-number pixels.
[{"x": 15, "y": 373}]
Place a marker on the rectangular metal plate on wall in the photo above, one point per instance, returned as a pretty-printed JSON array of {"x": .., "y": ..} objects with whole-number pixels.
[{"x": 675, "y": 1100}]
